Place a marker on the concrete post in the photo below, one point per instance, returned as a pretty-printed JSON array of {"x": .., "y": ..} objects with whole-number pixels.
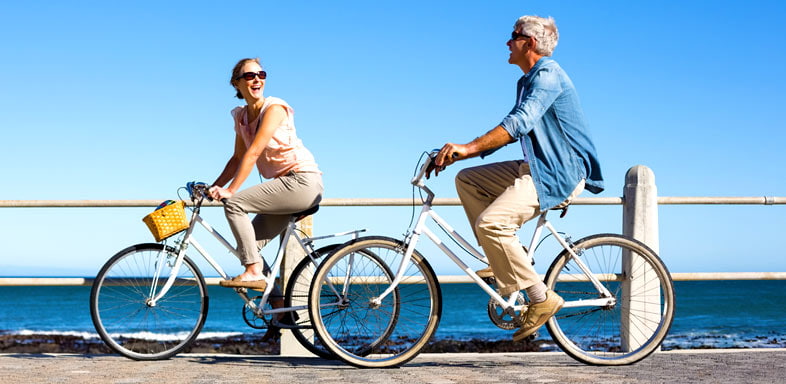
[
  {"x": 292, "y": 256},
  {"x": 640, "y": 221},
  {"x": 640, "y": 206}
]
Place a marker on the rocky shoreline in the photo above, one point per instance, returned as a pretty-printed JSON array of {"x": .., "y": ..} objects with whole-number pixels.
[
  {"x": 241, "y": 345},
  {"x": 256, "y": 345}
]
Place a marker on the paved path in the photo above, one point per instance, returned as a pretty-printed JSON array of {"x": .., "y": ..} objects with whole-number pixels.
[{"x": 694, "y": 366}]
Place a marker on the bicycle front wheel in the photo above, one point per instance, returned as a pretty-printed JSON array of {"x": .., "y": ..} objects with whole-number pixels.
[
  {"x": 631, "y": 325},
  {"x": 355, "y": 322},
  {"x": 123, "y": 312}
]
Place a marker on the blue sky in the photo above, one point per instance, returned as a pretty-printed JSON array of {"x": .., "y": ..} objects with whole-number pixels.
[{"x": 107, "y": 100}]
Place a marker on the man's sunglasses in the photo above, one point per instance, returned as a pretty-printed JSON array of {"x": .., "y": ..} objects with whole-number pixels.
[
  {"x": 248, "y": 76},
  {"x": 515, "y": 36}
]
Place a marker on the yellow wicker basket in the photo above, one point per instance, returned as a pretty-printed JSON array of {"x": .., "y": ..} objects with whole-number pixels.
[{"x": 167, "y": 221}]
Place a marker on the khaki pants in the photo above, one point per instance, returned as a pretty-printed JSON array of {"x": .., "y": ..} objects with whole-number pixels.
[
  {"x": 498, "y": 199},
  {"x": 274, "y": 202}
]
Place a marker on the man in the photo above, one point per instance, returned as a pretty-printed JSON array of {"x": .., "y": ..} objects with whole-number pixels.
[{"x": 559, "y": 162}]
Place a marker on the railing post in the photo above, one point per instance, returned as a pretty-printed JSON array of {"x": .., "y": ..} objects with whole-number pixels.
[
  {"x": 292, "y": 256},
  {"x": 640, "y": 206},
  {"x": 640, "y": 221}
]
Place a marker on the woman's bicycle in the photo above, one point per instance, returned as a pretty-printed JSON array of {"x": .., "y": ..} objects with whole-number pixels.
[
  {"x": 619, "y": 296},
  {"x": 150, "y": 301}
]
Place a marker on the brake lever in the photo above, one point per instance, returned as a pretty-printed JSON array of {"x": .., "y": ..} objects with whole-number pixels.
[{"x": 432, "y": 165}]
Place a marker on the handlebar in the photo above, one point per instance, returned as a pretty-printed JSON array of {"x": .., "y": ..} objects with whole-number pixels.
[
  {"x": 428, "y": 167},
  {"x": 198, "y": 190}
]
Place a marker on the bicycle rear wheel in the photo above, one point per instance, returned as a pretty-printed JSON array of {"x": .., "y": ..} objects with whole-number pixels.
[
  {"x": 635, "y": 324},
  {"x": 355, "y": 325},
  {"x": 297, "y": 295},
  {"x": 122, "y": 312}
]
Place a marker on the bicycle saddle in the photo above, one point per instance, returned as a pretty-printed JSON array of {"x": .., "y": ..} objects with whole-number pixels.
[{"x": 308, "y": 212}]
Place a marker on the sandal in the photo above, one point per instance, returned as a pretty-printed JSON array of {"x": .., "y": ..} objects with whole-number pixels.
[{"x": 258, "y": 285}]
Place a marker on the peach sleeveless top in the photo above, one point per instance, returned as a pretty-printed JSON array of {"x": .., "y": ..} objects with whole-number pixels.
[{"x": 285, "y": 151}]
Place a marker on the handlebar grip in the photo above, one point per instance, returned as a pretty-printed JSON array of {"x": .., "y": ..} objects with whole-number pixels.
[{"x": 432, "y": 166}]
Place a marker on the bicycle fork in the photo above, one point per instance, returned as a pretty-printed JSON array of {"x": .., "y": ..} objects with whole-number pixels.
[{"x": 162, "y": 259}]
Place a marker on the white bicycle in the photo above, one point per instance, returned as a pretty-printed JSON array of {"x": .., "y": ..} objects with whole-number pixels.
[
  {"x": 150, "y": 301},
  {"x": 619, "y": 296}
]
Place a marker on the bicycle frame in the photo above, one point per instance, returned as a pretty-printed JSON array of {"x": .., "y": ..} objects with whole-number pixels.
[
  {"x": 306, "y": 243},
  {"x": 508, "y": 305}
]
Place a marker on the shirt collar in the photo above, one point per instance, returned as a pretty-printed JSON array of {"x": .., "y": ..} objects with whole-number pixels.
[{"x": 541, "y": 62}]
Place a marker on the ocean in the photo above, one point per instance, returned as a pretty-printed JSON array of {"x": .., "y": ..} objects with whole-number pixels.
[{"x": 709, "y": 314}]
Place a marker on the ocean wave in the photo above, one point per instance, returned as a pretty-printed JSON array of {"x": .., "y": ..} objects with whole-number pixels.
[
  {"x": 28, "y": 332},
  {"x": 131, "y": 335}
]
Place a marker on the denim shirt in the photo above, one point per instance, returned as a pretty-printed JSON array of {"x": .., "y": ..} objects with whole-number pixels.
[{"x": 549, "y": 122}]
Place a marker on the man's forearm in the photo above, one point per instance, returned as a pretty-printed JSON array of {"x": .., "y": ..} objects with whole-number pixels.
[{"x": 492, "y": 139}]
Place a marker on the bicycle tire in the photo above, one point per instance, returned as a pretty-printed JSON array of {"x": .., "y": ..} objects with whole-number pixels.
[
  {"x": 360, "y": 343},
  {"x": 119, "y": 303},
  {"x": 367, "y": 334},
  {"x": 298, "y": 286},
  {"x": 637, "y": 323}
]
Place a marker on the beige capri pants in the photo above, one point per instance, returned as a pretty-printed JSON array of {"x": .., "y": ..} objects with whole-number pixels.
[{"x": 274, "y": 202}]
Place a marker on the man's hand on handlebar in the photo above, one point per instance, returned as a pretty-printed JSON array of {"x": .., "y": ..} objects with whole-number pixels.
[{"x": 449, "y": 154}]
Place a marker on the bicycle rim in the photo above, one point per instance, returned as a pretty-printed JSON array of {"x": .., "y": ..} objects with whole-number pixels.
[
  {"x": 364, "y": 332},
  {"x": 630, "y": 329},
  {"x": 120, "y": 309}
]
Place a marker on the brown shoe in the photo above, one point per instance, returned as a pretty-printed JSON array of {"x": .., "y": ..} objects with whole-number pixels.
[
  {"x": 258, "y": 285},
  {"x": 485, "y": 273},
  {"x": 538, "y": 314}
]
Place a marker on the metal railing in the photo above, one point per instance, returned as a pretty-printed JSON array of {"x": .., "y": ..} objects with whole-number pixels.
[
  {"x": 399, "y": 202},
  {"x": 388, "y": 202},
  {"x": 443, "y": 279}
]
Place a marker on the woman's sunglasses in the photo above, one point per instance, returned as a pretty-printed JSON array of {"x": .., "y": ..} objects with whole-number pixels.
[{"x": 248, "y": 76}]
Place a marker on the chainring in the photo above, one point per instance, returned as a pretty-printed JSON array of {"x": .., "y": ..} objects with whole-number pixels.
[
  {"x": 252, "y": 319},
  {"x": 502, "y": 319}
]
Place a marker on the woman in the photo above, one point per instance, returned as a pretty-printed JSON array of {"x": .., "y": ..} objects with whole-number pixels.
[{"x": 264, "y": 136}]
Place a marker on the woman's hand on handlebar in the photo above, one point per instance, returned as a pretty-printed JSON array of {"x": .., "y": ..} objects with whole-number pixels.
[{"x": 218, "y": 193}]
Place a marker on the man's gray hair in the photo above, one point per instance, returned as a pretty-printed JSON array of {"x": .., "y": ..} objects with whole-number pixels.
[{"x": 544, "y": 30}]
